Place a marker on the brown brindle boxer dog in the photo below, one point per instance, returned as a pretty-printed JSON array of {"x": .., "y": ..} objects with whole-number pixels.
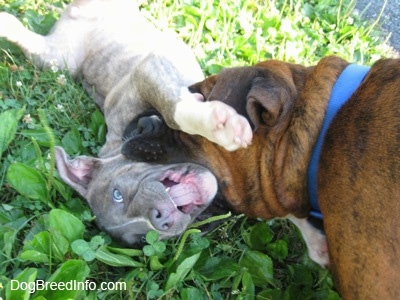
[{"x": 358, "y": 172}]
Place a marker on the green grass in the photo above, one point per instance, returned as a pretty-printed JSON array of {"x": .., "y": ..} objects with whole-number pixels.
[{"x": 47, "y": 232}]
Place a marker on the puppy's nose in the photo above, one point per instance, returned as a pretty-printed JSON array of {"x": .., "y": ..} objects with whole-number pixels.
[{"x": 161, "y": 219}]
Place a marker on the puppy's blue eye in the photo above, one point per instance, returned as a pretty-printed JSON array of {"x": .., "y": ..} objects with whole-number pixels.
[{"x": 117, "y": 196}]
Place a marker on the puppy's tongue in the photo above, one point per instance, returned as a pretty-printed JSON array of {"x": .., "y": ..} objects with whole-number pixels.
[{"x": 184, "y": 194}]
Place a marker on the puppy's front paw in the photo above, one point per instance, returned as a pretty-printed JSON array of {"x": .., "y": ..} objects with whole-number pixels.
[
  {"x": 214, "y": 120},
  {"x": 229, "y": 129}
]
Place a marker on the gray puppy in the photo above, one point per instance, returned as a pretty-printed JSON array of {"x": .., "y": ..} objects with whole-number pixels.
[{"x": 128, "y": 66}]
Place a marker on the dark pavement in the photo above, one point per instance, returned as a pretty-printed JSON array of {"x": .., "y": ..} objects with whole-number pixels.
[{"x": 390, "y": 19}]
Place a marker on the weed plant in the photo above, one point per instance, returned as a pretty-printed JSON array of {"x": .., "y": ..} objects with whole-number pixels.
[{"x": 47, "y": 232}]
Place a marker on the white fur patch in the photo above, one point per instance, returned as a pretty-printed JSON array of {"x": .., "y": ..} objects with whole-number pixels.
[
  {"x": 214, "y": 120},
  {"x": 315, "y": 240}
]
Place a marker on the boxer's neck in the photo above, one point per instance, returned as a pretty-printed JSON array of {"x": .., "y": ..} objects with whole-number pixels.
[{"x": 343, "y": 89}]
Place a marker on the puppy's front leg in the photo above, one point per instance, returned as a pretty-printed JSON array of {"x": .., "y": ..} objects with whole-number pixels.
[{"x": 162, "y": 86}]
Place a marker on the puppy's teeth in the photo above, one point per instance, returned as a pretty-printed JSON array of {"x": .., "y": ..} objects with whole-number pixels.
[{"x": 167, "y": 189}]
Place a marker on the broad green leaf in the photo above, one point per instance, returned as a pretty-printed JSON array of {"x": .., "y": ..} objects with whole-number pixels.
[
  {"x": 59, "y": 246},
  {"x": 34, "y": 256},
  {"x": 9, "y": 124},
  {"x": 278, "y": 250},
  {"x": 148, "y": 250},
  {"x": 97, "y": 125},
  {"x": 153, "y": 291},
  {"x": 191, "y": 294},
  {"x": 72, "y": 141},
  {"x": 259, "y": 265},
  {"x": 21, "y": 287},
  {"x": 96, "y": 242},
  {"x": 181, "y": 271},
  {"x": 152, "y": 237},
  {"x": 258, "y": 236},
  {"x": 193, "y": 10},
  {"x": 29, "y": 152},
  {"x": 155, "y": 264},
  {"x": 3, "y": 217},
  {"x": 273, "y": 294},
  {"x": 89, "y": 255},
  {"x": 40, "y": 135},
  {"x": 83, "y": 249},
  {"x": 9, "y": 236},
  {"x": 40, "y": 225},
  {"x": 80, "y": 246},
  {"x": 159, "y": 246},
  {"x": 219, "y": 268},
  {"x": 62, "y": 188},
  {"x": 301, "y": 274},
  {"x": 70, "y": 272},
  {"x": 126, "y": 251},
  {"x": 41, "y": 242},
  {"x": 116, "y": 260},
  {"x": 28, "y": 181},
  {"x": 39, "y": 298},
  {"x": 46, "y": 244},
  {"x": 198, "y": 242},
  {"x": 248, "y": 288},
  {"x": 67, "y": 224},
  {"x": 214, "y": 69}
]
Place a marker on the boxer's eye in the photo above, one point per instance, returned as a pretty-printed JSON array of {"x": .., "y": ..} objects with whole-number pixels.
[{"x": 117, "y": 195}]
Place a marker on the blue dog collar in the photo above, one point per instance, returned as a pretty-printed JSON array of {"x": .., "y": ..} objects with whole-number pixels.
[{"x": 344, "y": 87}]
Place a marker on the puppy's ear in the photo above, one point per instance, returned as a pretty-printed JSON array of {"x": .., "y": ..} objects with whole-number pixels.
[
  {"x": 77, "y": 173},
  {"x": 269, "y": 102}
]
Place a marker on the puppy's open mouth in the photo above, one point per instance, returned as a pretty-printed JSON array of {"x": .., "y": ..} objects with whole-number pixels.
[{"x": 183, "y": 192}]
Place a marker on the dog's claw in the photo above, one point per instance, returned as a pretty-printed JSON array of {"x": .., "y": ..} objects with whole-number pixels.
[{"x": 242, "y": 144}]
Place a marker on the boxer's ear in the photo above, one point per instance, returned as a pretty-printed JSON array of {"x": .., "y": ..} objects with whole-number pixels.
[
  {"x": 77, "y": 173},
  {"x": 269, "y": 102},
  {"x": 204, "y": 87}
]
